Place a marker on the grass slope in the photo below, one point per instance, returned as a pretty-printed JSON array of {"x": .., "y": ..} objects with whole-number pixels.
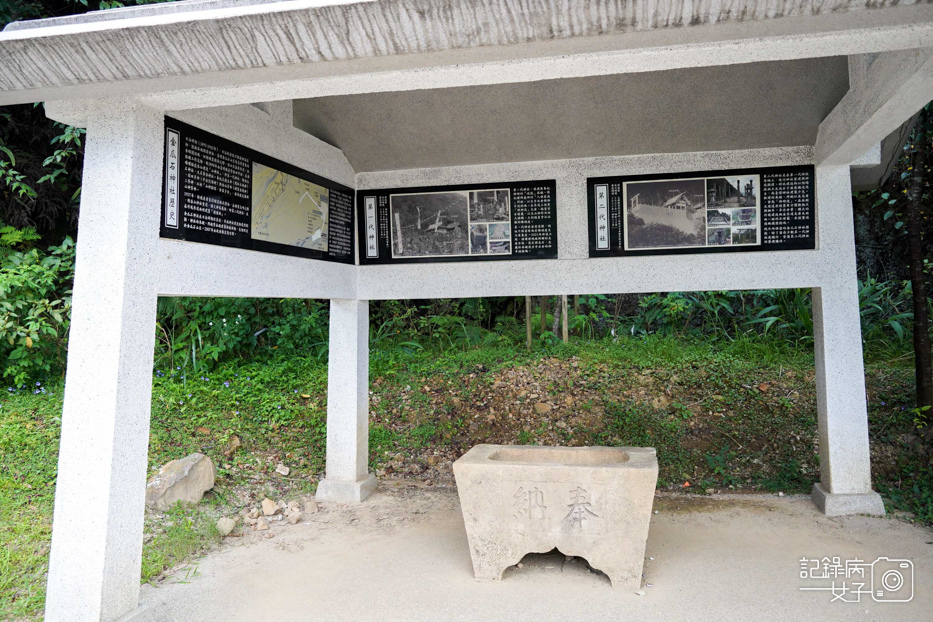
[{"x": 723, "y": 415}]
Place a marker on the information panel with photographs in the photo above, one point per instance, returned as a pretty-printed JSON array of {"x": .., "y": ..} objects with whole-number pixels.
[
  {"x": 509, "y": 220},
  {"x": 717, "y": 211},
  {"x": 217, "y": 192}
]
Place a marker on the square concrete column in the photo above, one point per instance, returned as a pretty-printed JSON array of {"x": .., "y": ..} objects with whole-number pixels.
[
  {"x": 97, "y": 530},
  {"x": 845, "y": 467},
  {"x": 347, "y": 479}
]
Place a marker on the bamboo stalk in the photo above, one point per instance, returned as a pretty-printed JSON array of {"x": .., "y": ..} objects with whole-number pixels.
[{"x": 564, "y": 322}]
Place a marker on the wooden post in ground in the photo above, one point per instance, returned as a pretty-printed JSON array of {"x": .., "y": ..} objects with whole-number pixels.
[
  {"x": 563, "y": 313},
  {"x": 528, "y": 321},
  {"x": 543, "y": 307}
]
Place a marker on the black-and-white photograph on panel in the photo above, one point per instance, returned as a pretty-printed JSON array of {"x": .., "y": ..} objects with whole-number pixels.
[
  {"x": 688, "y": 213},
  {"x": 431, "y": 224},
  {"x": 451, "y": 223},
  {"x": 733, "y": 202},
  {"x": 489, "y": 205},
  {"x": 739, "y": 191},
  {"x": 665, "y": 214}
]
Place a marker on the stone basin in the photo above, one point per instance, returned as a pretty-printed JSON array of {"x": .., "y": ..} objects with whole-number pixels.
[{"x": 590, "y": 502}]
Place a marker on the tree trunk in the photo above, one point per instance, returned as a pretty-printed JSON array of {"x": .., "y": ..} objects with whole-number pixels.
[
  {"x": 556, "y": 324},
  {"x": 922, "y": 361}
]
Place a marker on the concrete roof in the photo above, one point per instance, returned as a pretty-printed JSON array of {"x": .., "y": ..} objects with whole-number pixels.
[
  {"x": 203, "y": 38},
  {"x": 774, "y": 104},
  {"x": 169, "y": 8}
]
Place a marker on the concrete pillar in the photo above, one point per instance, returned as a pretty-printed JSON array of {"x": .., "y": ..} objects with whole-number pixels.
[
  {"x": 845, "y": 469},
  {"x": 97, "y": 531},
  {"x": 347, "y": 479}
]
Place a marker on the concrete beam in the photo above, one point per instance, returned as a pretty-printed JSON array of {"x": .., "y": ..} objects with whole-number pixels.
[
  {"x": 76, "y": 112},
  {"x": 266, "y": 128},
  {"x": 870, "y": 177},
  {"x": 632, "y": 52},
  {"x": 869, "y": 159},
  {"x": 189, "y": 269},
  {"x": 574, "y": 271},
  {"x": 272, "y": 134},
  {"x": 892, "y": 88},
  {"x": 226, "y": 62}
]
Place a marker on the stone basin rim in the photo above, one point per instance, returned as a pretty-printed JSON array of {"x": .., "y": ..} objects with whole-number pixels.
[{"x": 549, "y": 456}]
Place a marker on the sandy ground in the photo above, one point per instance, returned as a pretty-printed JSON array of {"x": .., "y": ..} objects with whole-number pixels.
[{"x": 403, "y": 555}]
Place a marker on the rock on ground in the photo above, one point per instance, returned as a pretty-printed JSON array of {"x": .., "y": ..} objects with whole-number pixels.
[
  {"x": 225, "y": 525},
  {"x": 269, "y": 507},
  {"x": 184, "y": 480}
]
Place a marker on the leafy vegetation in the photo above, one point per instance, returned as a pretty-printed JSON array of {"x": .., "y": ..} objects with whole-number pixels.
[{"x": 35, "y": 312}]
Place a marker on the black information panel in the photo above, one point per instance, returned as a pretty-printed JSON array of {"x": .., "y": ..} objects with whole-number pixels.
[
  {"x": 217, "y": 192},
  {"x": 509, "y": 220},
  {"x": 706, "y": 212}
]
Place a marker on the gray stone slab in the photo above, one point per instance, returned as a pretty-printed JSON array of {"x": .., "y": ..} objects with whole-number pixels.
[{"x": 830, "y": 504}]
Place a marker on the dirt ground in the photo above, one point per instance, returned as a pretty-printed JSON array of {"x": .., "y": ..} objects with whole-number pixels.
[{"x": 403, "y": 555}]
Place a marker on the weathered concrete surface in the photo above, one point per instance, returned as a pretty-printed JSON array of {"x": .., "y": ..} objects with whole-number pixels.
[
  {"x": 282, "y": 39},
  {"x": 185, "y": 480},
  {"x": 722, "y": 558},
  {"x": 590, "y": 502},
  {"x": 273, "y": 36},
  {"x": 895, "y": 86}
]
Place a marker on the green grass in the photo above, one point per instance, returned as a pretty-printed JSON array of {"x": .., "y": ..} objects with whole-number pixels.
[
  {"x": 29, "y": 430},
  {"x": 716, "y": 429},
  {"x": 260, "y": 403},
  {"x": 185, "y": 532},
  {"x": 263, "y": 404}
]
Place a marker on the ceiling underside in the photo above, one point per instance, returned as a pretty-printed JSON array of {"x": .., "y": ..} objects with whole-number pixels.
[{"x": 757, "y": 105}]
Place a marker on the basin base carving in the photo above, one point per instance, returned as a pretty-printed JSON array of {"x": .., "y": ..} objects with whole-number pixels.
[{"x": 589, "y": 502}]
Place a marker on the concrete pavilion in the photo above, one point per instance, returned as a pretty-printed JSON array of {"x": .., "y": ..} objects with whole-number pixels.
[{"x": 406, "y": 93}]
